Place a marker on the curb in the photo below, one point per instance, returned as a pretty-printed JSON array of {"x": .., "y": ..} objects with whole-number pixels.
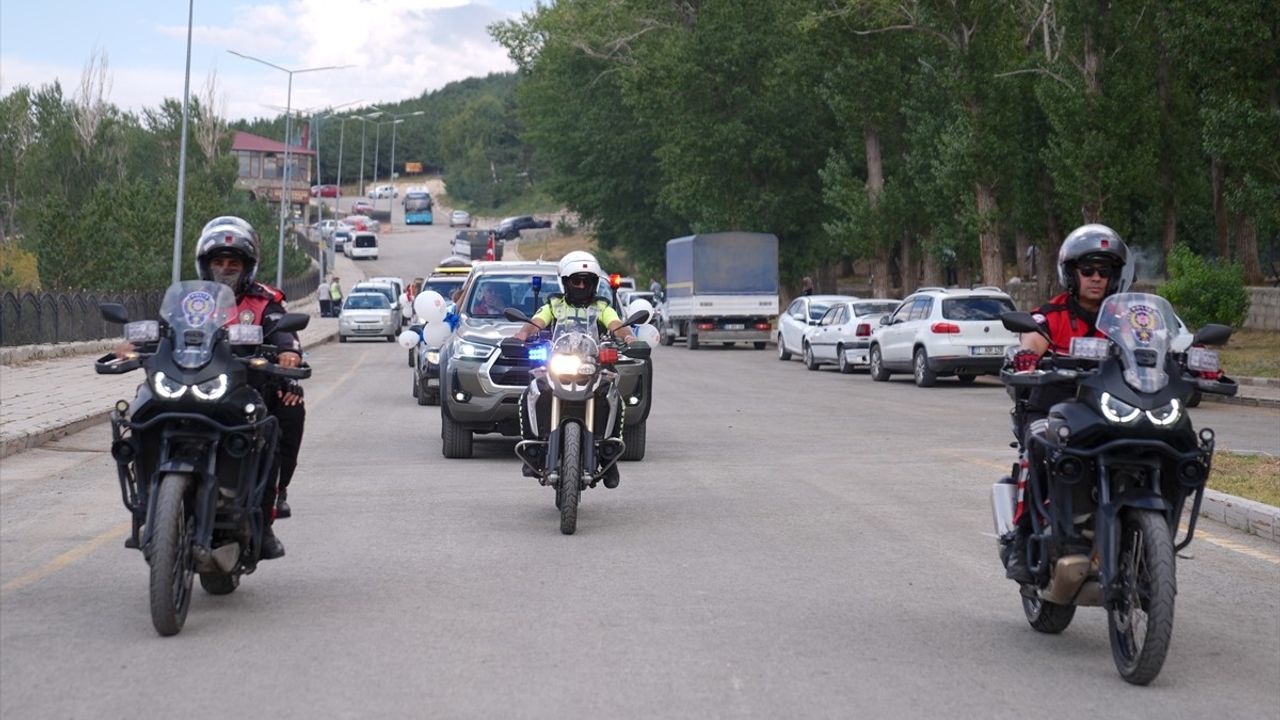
[
  {"x": 40, "y": 437},
  {"x": 1250, "y": 516},
  {"x": 1246, "y": 400}
]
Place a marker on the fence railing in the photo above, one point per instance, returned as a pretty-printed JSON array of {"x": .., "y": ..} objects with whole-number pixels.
[{"x": 40, "y": 318}]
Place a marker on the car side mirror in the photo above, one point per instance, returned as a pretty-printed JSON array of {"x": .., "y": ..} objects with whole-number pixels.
[
  {"x": 114, "y": 312},
  {"x": 886, "y": 320},
  {"x": 290, "y": 322},
  {"x": 515, "y": 315},
  {"x": 1212, "y": 334},
  {"x": 1020, "y": 322}
]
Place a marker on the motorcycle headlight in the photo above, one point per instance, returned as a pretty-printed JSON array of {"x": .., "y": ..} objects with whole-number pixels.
[
  {"x": 1166, "y": 415},
  {"x": 1118, "y": 411},
  {"x": 564, "y": 365},
  {"x": 211, "y": 389},
  {"x": 477, "y": 351},
  {"x": 167, "y": 387}
]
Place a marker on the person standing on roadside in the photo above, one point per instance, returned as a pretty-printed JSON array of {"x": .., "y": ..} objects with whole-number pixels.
[{"x": 335, "y": 296}]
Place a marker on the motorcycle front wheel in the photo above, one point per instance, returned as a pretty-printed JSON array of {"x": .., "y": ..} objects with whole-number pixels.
[
  {"x": 1140, "y": 623},
  {"x": 570, "y": 489},
  {"x": 172, "y": 567}
]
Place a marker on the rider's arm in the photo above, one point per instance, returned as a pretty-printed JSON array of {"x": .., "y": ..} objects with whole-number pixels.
[
  {"x": 532, "y": 327},
  {"x": 617, "y": 328},
  {"x": 1033, "y": 342}
]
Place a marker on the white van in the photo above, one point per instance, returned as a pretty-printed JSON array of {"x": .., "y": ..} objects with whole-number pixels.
[{"x": 362, "y": 245}]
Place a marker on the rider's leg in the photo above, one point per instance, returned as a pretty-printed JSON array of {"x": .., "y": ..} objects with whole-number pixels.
[{"x": 293, "y": 419}]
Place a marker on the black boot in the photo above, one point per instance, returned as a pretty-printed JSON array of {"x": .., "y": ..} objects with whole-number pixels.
[
  {"x": 1013, "y": 551},
  {"x": 282, "y": 507},
  {"x": 272, "y": 548},
  {"x": 611, "y": 476}
]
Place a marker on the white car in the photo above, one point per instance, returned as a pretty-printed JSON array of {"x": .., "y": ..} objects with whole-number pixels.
[
  {"x": 384, "y": 191},
  {"x": 938, "y": 332},
  {"x": 385, "y": 289},
  {"x": 843, "y": 336},
  {"x": 367, "y": 314},
  {"x": 459, "y": 218},
  {"x": 803, "y": 312},
  {"x": 363, "y": 245}
]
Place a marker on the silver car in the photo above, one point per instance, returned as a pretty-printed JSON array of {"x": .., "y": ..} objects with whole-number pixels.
[
  {"x": 460, "y": 218},
  {"x": 843, "y": 336},
  {"x": 367, "y": 314}
]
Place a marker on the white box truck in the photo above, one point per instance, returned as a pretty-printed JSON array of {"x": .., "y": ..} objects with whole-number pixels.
[{"x": 721, "y": 287}]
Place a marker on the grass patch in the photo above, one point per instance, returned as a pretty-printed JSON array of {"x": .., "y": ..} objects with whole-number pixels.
[
  {"x": 1252, "y": 353},
  {"x": 552, "y": 246},
  {"x": 532, "y": 202},
  {"x": 1254, "y": 477}
]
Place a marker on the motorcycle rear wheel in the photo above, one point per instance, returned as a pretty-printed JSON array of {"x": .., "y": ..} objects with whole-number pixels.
[
  {"x": 569, "y": 492},
  {"x": 1140, "y": 624},
  {"x": 170, "y": 557}
]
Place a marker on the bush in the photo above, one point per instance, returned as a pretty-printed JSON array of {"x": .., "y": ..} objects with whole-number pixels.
[{"x": 1205, "y": 292}]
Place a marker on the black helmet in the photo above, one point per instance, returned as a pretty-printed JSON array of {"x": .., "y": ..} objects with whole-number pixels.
[
  {"x": 229, "y": 238},
  {"x": 1099, "y": 243}
]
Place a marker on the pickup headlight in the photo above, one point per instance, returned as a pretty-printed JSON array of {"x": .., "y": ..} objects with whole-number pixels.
[
  {"x": 166, "y": 387},
  {"x": 211, "y": 389},
  {"x": 1166, "y": 415},
  {"x": 1118, "y": 411},
  {"x": 433, "y": 357},
  {"x": 472, "y": 350}
]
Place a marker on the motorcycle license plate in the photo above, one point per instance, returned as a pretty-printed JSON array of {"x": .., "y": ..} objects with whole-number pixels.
[
  {"x": 734, "y": 326},
  {"x": 986, "y": 349}
]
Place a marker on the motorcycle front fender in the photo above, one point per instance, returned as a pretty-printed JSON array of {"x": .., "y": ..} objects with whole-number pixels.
[{"x": 1109, "y": 536}]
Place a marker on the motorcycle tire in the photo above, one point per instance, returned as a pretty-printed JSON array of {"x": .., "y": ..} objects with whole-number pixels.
[
  {"x": 569, "y": 492},
  {"x": 1047, "y": 617},
  {"x": 170, "y": 557},
  {"x": 219, "y": 583},
  {"x": 634, "y": 438},
  {"x": 1146, "y": 576}
]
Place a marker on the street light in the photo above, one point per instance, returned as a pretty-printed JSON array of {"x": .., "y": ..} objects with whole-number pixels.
[
  {"x": 182, "y": 152},
  {"x": 364, "y": 121},
  {"x": 399, "y": 119},
  {"x": 285, "y": 198}
]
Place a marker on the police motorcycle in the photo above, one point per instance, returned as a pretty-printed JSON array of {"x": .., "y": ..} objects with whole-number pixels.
[
  {"x": 1105, "y": 479},
  {"x": 195, "y": 448},
  {"x": 578, "y": 368}
]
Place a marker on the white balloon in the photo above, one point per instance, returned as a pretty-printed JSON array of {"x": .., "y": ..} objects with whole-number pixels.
[
  {"x": 429, "y": 306},
  {"x": 647, "y": 333},
  {"x": 408, "y": 339},
  {"x": 638, "y": 305},
  {"x": 435, "y": 333}
]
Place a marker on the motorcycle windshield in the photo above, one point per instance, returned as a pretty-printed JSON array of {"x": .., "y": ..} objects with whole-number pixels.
[
  {"x": 195, "y": 310},
  {"x": 1142, "y": 327},
  {"x": 576, "y": 333}
]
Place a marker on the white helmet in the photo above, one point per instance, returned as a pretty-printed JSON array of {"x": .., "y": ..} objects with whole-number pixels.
[{"x": 580, "y": 261}]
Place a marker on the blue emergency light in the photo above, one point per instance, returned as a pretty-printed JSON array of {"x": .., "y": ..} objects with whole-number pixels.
[
  {"x": 536, "y": 281},
  {"x": 539, "y": 353}
]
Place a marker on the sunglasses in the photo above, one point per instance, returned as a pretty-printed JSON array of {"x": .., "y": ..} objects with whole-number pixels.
[
  {"x": 578, "y": 282},
  {"x": 1089, "y": 270}
]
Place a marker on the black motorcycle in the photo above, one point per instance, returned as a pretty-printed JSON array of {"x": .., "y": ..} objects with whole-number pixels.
[
  {"x": 1106, "y": 477},
  {"x": 579, "y": 374},
  {"x": 196, "y": 447}
]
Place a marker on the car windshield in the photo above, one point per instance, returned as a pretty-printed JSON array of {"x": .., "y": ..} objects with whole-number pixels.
[
  {"x": 194, "y": 310},
  {"x": 817, "y": 310},
  {"x": 494, "y": 293},
  {"x": 385, "y": 291},
  {"x": 366, "y": 301},
  {"x": 874, "y": 308},
  {"x": 443, "y": 285},
  {"x": 976, "y": 308}
]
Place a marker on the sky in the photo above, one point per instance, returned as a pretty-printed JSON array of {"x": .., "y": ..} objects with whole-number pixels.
[{"x": 398, "y": 48}]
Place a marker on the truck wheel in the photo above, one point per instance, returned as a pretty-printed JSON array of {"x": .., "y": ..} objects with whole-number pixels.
[
  {"x": 456, "y": 440},
  {"x": 759, "y": 344},
  {"x": 693, "y": 340}
]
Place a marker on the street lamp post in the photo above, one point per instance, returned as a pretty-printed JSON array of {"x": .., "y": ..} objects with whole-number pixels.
[
  {"x": 399, "y": 119},
  {"x": 182, "y": 153},
  {"x": 285, "y": 198},
  {"x": 364, "y": 122}
]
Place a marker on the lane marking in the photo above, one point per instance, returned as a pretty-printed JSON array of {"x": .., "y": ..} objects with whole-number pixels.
[
  {"x": 67, "y": 558},
  {"x": 120, "y": 531},
  {"x": 1201, "y": 534}
]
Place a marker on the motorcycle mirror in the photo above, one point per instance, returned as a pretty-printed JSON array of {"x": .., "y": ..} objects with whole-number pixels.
[
  {"x": 637, "y": 318},
  {"x": 515, "y": 315},
  {"x": 290, "y": 322},
  {"x": 1020, "y": 322},
  {"x": 1212, "y": 334},
  {"x": 114, "y": 312}
]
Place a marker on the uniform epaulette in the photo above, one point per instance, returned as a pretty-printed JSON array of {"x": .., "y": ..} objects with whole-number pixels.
[{"x": 267, "y": 291}]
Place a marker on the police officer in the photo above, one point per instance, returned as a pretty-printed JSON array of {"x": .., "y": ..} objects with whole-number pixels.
[
  {"x": 1092, "y": 264},
  {"x": 580, "y": 276},
  {"x": 228, "y": 252}
]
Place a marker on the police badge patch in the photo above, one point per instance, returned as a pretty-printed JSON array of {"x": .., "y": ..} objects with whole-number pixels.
[
  {"x": 246, "y": 317},
  {"x": 1145, "y": 321},
  {"x": 197, "y": 307}
]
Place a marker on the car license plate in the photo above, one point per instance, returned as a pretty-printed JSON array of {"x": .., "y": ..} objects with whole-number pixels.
[
  {"x": 734, "y": 326},
  {"x": 987, "y": 349}
]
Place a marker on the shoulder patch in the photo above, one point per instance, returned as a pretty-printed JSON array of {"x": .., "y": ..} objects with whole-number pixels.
[{"x": 1038, "y": 317}]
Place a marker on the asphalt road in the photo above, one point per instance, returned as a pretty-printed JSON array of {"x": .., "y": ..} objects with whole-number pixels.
[{"x": 795, "y": 544}]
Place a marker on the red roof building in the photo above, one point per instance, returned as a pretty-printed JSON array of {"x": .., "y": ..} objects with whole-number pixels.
[{"x": 262, "y": 167}]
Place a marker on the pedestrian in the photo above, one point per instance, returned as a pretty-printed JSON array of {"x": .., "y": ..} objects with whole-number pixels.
[
  {"x": 335, "y": 296},
  {"x": 322, "y": 296},
  {"x": 806, "y": 285},
  {"x": 655, "y": 287}
]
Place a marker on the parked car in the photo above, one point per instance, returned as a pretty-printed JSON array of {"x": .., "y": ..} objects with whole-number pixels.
[
  {"x": 367, "y": 314},
  {"x": 843, "y": 336},
  {"x": 363, "y": 223},
  {"x": 939, "y": 332},
  {"x": 480, "y": 389},
  {"x": 384, "y": 191},
  {"x": 329, "y": 191},
  {"x": 803, "y": 312},
  {"x": 361, "y": 207},
  {"x": 459, "y": 218},
  {"x": 341, "y": 238},
  {"x": 363, "y": 245},
  {"x": 510, "y": 227}
]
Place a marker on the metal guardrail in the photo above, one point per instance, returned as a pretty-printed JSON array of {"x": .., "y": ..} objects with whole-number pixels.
[{"x": 40, "y": 318}]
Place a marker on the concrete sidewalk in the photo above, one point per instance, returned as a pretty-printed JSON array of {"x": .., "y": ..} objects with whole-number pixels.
[{"x": 56, "y": 392}]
